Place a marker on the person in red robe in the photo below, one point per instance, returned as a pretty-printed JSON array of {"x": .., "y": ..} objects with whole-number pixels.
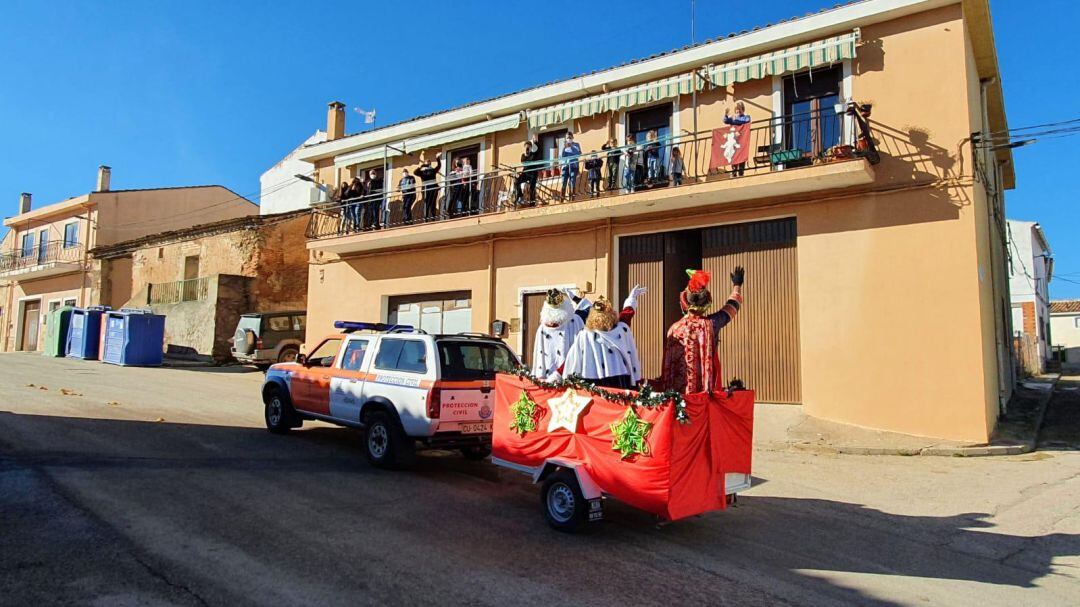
[{"x": 691, "y": 362}]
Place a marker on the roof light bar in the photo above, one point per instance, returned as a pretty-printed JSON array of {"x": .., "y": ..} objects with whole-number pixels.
[{"x": 349, "y": 326}]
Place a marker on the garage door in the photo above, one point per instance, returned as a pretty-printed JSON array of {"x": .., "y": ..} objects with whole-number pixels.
[{"x": 761, "y": 346}]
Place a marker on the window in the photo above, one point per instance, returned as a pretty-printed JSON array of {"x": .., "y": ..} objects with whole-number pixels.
[
  {"x": 1076, "y": 322},
  {"x": 353, "y": 359},
  {"x": 299, "y": 322},
  {"x": 323, "y": 355},
  {"x": 28, "y": 245},
  {"x": 71, "y": 235},
  {"x": 467, "y": 360},
  {"x": 43, "y": 246},
  {"x": 551, "y": 145},
  {"x": 811, "y": 122},
  {"x": 408, "y": 355},
  {"x": 642, "y": 122},
  {"x": 438, "y": 313},
  {"x": 278, "y": 323}
]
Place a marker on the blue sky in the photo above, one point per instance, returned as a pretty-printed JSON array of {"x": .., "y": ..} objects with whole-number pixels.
[{"x": 181, "y": 93}]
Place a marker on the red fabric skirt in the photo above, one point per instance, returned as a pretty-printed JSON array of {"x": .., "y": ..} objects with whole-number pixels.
[{"x": 683, "y": 472}]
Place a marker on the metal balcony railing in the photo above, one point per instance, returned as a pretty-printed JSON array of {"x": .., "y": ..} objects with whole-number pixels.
[
  {"x": 29, "y": 258},
  {"x": 194, "y": 289},
  {"x": 782, "y": 143}
]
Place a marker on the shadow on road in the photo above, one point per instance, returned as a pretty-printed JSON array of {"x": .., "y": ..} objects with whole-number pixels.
[{"x": 310, "y": 498}]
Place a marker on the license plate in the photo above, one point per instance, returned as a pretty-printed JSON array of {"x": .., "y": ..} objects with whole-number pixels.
[{"x": 479, "y": 428}]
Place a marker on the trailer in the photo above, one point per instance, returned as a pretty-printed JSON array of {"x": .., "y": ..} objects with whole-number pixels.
[{"x": 583, "y": 445}]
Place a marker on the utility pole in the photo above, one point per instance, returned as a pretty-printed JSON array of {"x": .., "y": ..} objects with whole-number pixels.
[{"x": 694, "y": 80}]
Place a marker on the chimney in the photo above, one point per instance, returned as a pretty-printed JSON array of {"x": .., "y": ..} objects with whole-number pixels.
[
  {"x": 335, "y": 121},
  {"x": 24, "y": 203},
  {"x": 104, "y": 175}
]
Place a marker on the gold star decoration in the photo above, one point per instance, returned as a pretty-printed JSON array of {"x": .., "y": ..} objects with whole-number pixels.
[{"x": 566, "y": 409}]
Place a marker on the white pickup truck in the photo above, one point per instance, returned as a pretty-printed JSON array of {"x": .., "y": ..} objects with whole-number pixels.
[{"x": 403, "y": 388}]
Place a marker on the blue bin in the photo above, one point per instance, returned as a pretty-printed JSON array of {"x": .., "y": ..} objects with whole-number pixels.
[
  {"x": 84, "y": 332},
  {"x": 133, "y": 338}
]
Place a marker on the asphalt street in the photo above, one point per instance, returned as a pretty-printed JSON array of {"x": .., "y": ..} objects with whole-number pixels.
[{"x": 126, "y": 486}]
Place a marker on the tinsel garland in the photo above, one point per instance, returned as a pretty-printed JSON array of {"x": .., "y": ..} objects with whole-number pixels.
[
  {"x": 644, "y": 397},
  {"x": 629, "y": 435}
]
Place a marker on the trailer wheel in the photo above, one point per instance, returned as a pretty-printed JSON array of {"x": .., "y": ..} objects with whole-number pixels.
[{"x": 565, "y": 508}]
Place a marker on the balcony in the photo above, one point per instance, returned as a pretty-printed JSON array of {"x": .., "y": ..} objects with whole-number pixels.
[
  {"x": 789, "y": 155},
  {"x": 50, "y": 260},
  {"x": 178, "y": 291}
]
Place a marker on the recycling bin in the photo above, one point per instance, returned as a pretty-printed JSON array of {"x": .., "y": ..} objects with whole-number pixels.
[
  {"x": 84, "y": 332},
  {"x": 133, "y": 337},
  {"x": 56, "y": 330}
]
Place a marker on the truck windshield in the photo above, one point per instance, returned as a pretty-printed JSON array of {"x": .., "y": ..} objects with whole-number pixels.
[{"x": 467, "y": 360}]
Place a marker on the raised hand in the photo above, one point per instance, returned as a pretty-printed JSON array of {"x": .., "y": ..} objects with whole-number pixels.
[
  {"x": 631, "y": 301},
  {"x": 737, "y": 276}
]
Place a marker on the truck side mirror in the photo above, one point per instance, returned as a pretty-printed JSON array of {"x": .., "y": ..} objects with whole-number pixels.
[{"x": 302, "y": 359}]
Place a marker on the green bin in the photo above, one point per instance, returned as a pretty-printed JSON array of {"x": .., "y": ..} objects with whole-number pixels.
[{"x": 56, "y": 331}]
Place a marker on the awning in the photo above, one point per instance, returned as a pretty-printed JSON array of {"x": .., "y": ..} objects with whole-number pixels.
[
  {"x": 432, "y": 140},
  {"x": 804, "y": 56},
  {"x": 428, "y": 141},
  {"x": 368, "y": 155},
  {"x": 641, "y": 94},
  {"x": 813, "y": 54}
]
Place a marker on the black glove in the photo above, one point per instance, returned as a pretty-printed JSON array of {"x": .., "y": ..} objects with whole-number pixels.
[{"x": 737, "y": 276}]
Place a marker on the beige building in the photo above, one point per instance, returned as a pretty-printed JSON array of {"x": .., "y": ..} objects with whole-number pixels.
[
  {"x": 46, "y": 261},
  {"x": 202, "y": 278},
  {"x": 876, "y": 289}
]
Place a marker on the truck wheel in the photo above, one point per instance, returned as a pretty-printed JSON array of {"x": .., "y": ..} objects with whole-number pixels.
[
  {"x": 288, "y": 354},
  {"x": 279, "y": 414},
  {"x": 565, "y": 508},
  {"x": 385, "y": 444},
  {"x": 476, "y": 452}
]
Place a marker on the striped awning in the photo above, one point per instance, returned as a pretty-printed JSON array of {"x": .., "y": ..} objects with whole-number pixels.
[
  {"x": 813, "y": 54},
  {"x": 615, "y": 100},
  {"x": 804, "y": 56},
  {"x": 368, "y": 155},
  {"x": 430, "y": 140}
]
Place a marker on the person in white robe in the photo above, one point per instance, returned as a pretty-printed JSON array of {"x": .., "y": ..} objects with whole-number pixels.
[
  {"x": 560, "y": 323},
  {"x": 604, "y": 352}
]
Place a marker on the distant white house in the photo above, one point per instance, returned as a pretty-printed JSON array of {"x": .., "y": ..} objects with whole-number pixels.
[
  {"x": 1065, "y": 327},
  {"x": 1030, "y": 269},
  {"x": 279, "y": 188}
]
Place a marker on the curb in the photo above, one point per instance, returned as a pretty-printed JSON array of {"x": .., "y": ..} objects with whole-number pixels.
[{"x": 936, "y": 451}]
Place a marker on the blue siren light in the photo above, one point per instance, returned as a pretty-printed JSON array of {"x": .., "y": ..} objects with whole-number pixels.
[{"x": 353, "y": 325}]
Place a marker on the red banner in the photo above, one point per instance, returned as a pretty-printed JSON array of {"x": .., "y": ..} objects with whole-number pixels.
[
  {"x": 730, "y": 145},
  {"x": 682, "y": 473}
]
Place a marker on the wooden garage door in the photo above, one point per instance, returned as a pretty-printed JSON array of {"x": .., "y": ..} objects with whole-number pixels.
[
  {"x": 530, "y": 320},
  {"x": 761, "y": 346},
  {"x": 641, "y": 262}
]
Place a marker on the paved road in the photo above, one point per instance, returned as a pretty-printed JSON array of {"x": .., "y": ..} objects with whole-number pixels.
[
  {"x": 159, "y": 486},
  {"x": 1061, "y": 428}
]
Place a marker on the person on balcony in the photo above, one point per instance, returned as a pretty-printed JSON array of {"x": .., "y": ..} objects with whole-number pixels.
[
  {"x": 652, "y": 157},
  {"x": 612, "y": 161},
  {"x": 630, "y": 160},
  {"x": 740, "y": 117},
  {"x": 357, "y": 190},
  {"x": 428, "y": 178},
  {"x": 407, "y": 185},
  {"x": 677, "y": 166},
  {"x": 468, "y": 185},
  {"x": 373, "y": 200},
  {"x": 570, "y": 153},
  {"x": 593, "y": 166},
  {"x": 530, "y": 170},
  {"x": 454, "y": 189}
]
